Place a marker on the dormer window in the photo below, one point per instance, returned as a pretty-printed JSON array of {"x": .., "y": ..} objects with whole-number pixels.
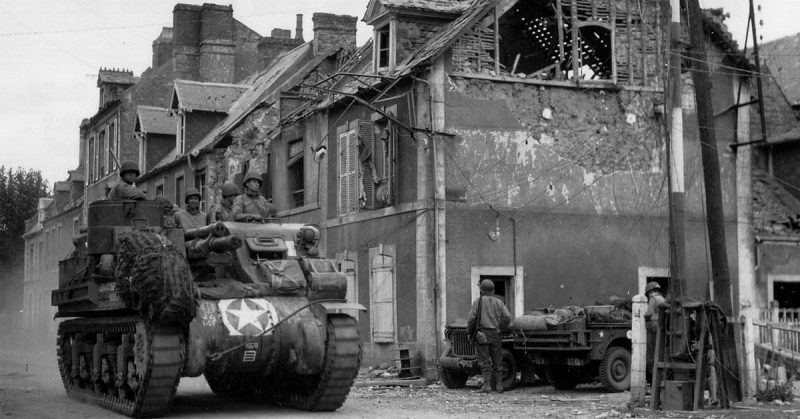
[{"x": 382, "y": 36}]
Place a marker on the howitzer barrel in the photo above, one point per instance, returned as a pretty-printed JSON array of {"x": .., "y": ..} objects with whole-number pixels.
[
  {"x": 217, "y": 229},
  {"x": 199, "y": 248}
]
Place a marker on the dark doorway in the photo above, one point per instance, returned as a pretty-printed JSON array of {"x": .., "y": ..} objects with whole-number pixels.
[
  {"x": 663, "y": 282},
  {"x": 503, "y": 288},
  {"x": 787, "y": 294}
]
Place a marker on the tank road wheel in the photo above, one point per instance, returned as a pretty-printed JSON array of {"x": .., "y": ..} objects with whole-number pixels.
[
  {"x": 562, "y": 377},
  {"x": 509, "y": 369},
  {"x": 327, "y": 391},
  {"x": 615, "y": 369},
  {"x": 154, "y": 278},
  {"x": 151, "y": 359}
]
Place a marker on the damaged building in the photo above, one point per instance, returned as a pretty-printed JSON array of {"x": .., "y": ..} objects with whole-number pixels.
[{"x": 518, "y": 141}]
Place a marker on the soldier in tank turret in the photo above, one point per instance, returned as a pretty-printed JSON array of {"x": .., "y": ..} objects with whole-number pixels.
[
  {"x": 224, "y": 210},
  {"x": 251, "y": 205},
  {"x": 191, "y": 217},
  {"x": 128, "y": 172}
]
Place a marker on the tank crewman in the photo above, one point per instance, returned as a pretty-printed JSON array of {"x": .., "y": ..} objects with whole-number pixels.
[
  {"x": 167, "y": 212},
  {"x": 488, "y": 318},
  {"x": 251, "y": 205},
  {"x": 224, "y": 210},
  {"x": 654, "y": 301},
  {"x": 124, "y": 189},
  {"x": 191, "y": 217}
]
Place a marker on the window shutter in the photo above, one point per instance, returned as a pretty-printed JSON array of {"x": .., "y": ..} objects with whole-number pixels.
[
  {"x": 352, "y": 171},
  {"x": 382, "y": 301},
  {"x": 367, "y": 161},
  {"x": 341, "y": 164}
]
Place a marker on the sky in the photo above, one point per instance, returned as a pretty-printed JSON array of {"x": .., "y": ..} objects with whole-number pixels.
[{"x": 52, "y": 50}]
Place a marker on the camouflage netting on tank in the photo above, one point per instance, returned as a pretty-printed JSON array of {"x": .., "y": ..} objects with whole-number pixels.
[{"x": 153, "y": 278}]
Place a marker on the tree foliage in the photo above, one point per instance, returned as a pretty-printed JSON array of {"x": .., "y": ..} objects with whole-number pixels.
[{"x": 20, "y": 191}]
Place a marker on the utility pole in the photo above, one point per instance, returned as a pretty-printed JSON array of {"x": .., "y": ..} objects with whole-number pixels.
[
  {"x": 715, "y": 218},
  {"x": 677, "y": 202},
  {"x": 758, "y": 74}
]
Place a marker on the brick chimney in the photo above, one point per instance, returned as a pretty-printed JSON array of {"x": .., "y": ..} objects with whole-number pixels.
[
  {"x": 279, "y": 41},
  {"x": 162, "y": 47},
  {"x": 186, "y": 23},
  {"x": 112, "y": 82},
  {"x": 61, "y": 194},
  {"x": 298, "y": 31},
  {"x": 332, "y": 32},
  {"x": 76, "y": 179},
  {"x": 217, "y": 47}
]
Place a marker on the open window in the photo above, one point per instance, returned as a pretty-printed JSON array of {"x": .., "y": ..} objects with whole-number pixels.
[
  {"x": 383, "y": 53},
  {"x": 295, "y": 171}
]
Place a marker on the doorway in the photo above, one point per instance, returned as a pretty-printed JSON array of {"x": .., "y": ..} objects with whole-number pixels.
[
  {"x": 507, "y": 281},
  {"x": 502, "y": 288}
]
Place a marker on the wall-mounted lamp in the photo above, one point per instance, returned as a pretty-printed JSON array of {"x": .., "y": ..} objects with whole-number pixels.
[{"x": 320, "y": 153}]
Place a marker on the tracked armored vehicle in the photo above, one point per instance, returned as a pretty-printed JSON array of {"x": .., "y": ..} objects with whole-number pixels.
[{"x": 251, "y": 306}]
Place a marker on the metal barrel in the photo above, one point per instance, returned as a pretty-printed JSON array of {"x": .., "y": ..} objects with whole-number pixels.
[
  {"x": 200, "y": 247},
  {"x": 217, "y": 229}
]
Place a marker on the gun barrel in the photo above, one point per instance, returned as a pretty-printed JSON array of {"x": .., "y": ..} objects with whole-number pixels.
[
  {"x": 200, "y": 248},
  {"x": 217, "y": 229}
]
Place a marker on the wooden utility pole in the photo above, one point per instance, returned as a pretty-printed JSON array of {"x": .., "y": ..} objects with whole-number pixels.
[
  {"x": 677, "y": 230},
  {"x": 715, "y": 218}
]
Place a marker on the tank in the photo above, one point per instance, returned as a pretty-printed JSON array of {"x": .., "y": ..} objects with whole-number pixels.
[{"x": 253, "y": 307}]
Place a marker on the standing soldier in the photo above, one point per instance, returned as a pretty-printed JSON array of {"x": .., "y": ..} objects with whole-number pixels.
[
  {"x": 191, "y": 217},
  {"x": 128, "y": 172},
  {"x": 251, "y": 205},
  {"x": 654, "y": 301},
  {"x": 224, "y": 210},
  {"x": 488, "y": 317}
]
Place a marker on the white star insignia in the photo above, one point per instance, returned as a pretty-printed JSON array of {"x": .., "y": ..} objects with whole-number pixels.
[
  {"x": 247, "y": 316},
  {"x": 602, "y": 333}
]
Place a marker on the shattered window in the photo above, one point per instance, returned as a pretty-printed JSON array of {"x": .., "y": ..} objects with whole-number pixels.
[
  {"x": 539, "y": 39},
  {"x": 575, "y": 40}
]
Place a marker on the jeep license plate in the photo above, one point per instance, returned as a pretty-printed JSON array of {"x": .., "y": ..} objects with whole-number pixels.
[{"x": 574, "y": 361}]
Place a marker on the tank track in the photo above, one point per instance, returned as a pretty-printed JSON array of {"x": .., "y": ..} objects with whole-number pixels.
[
  {"x": 328, "y": 391},
  {"x": 159, "y": 349}
]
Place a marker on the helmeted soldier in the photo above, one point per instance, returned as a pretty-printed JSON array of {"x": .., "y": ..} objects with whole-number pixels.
[
  {"x": 251, "y": 205},
  {"x": 488, "y": 318},
  {"x": 191, "y": 217},
  {"x": 124, "y": 189},
  {"x": 654, "y": 300},
  {"x": 224, "y": 210}
]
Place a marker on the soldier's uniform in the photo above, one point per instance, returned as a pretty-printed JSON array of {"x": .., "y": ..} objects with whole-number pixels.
[
  {"x": 251, "y": 202},
  {"x": 123, "y": 189},
  {"x": 222, "y": 212},
  {"x": 494, "y": 319},
  {"x": 190, "y": 220}
]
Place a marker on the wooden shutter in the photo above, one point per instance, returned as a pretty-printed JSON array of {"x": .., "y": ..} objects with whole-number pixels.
[
  {"x": 367, "y": 161},
  {"x": 382, "y": 299},
  {"x": 347, "y": 164}
]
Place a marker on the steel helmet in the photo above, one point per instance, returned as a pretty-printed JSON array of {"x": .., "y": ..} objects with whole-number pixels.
[
  {"x": 191, "y": 192},
  {"x": 487, "y": 285},
  {"x": 229, "y": 189},
  {"x": 653, "y": 285},
  {"x": 129, "y": 166},
  {"x": 252, "y": 174}
]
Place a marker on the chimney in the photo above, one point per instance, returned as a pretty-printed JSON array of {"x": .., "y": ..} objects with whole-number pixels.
[
  {"x": 162, "y": 47},
  {"x": 112, "y": 82},
  {"x": 217, "y": 47},
  {"x": 270, "y": 47},
  {"x": 298, "y": 31},
  {"x": 61, "y": 194},
  {"x": 332, "y": 32},
  {"x": 186, "y": 24},
  {"x": 76, "y": 178}
]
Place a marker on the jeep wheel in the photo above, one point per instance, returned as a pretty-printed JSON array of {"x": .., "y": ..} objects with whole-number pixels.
[
  {"x": 615, "y": 369},
  {"x": 562, "y": 377},
  {"x": 452, "y": 379},
  {"x": 509, "y": 368}
]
